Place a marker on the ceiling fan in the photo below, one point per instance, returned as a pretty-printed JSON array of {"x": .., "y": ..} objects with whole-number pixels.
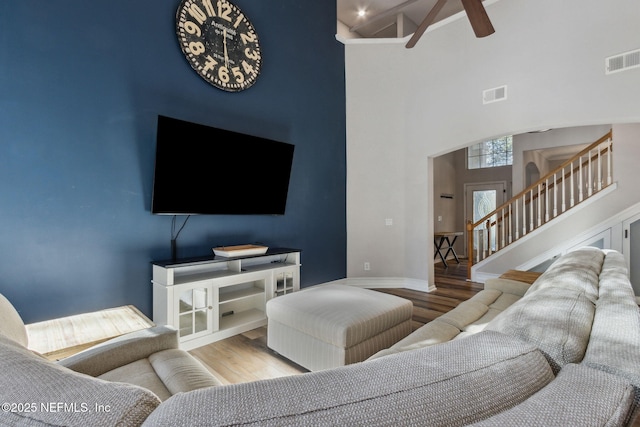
[{"x": 475, "y": 12}]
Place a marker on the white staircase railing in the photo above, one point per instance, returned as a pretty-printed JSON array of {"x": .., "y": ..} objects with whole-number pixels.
[{"x": 572, "y": 182}]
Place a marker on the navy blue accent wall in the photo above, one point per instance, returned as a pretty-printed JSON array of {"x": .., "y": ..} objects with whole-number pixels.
[{"x": 81, "y": 85}]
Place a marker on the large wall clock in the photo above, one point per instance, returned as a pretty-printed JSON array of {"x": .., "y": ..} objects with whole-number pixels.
[{"x": 219, "y": 42}]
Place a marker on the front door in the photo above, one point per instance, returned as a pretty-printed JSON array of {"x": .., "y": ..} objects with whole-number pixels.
[{"x": 480, "y": 200}]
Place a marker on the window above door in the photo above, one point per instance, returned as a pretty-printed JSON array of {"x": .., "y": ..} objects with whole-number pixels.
[{"x": 491, "y": 153}]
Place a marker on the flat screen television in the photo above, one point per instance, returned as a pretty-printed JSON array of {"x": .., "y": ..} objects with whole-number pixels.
[{"x": 205, "y": 170}]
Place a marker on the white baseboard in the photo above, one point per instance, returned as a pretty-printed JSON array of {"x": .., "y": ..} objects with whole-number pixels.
[{"x": 385, "y": 282}]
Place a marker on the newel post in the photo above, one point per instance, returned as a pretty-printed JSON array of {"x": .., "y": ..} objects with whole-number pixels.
[
  {"x": 469, "y": 248},
  {"x": 488, "y": 226}
]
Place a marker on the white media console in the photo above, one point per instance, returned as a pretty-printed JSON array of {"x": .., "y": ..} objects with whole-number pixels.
[{"x": 212, "y": 298}]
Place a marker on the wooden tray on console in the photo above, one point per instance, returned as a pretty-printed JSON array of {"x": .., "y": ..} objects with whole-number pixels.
[{"x": 239, "y": 250}]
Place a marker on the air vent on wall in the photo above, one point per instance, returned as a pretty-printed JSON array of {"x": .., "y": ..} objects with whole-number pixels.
[
  {"x": 622, "y": 62},
  {"x": 494, "y": 95}
]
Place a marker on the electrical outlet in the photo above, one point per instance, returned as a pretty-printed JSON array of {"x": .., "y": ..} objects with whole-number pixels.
[
  {"x": 439, "y": 218},
  {"x": 388, "y": 221},
  {"x": 367, "y": 266}
]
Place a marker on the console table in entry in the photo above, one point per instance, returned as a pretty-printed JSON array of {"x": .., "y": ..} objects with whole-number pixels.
[{"x": 441, "y": 238}]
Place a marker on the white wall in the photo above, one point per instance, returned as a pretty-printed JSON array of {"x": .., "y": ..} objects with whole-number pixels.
[
  {"x": 375, "y": 158},
  {"x": 405, "y": 106},
  {"x": 445, "y": 183}
]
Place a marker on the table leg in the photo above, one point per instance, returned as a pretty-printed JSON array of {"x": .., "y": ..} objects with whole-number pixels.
[
  {"x": 452, "y": 250},
  {"x": 438, "y": 250}
]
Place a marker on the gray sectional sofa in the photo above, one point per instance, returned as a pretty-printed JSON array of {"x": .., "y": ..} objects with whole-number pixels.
[{"x": 564, "y": 351}]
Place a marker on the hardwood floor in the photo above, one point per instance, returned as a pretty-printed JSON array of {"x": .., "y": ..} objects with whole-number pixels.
[{"x": 245, "y": 357}]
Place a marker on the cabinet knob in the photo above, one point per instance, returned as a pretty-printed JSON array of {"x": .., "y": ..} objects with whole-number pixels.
[{"x": 210, "y": 307}]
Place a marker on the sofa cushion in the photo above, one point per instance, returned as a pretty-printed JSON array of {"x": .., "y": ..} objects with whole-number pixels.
[
  {"x": 139, "y": 373},
  {"x": 556, "y": 320},
  {"x": 122, "y": 350},
  {"x": 579, "y": 396},
  {"x": 11, "y": 324},
  {"x": 488, "y": 373},
  {"x": 180, "y": 372},
  {"x": 481, "y": 323},
  {"x": 614, "y": 345},
  {"x": 575, "y": 271},
  {"x": 507, "y": 286},
  {"x": 496, "y": 298},
  {"x": 165, "y": 373},
  {"x": 504, "y": 301},
  {"x": 434, "y": 332},
  {"x": 465, "y": 313},
  {"x": 486, "y": 296},
  {"x": 48, "y": 394},
  {"x": 615, "y": 334}
]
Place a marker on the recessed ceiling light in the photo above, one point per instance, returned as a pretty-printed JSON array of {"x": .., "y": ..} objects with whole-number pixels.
[{"x": 362, "y": 12}]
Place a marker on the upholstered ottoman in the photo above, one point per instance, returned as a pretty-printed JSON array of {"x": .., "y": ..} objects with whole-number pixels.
[{"x": 333, "y": 325}]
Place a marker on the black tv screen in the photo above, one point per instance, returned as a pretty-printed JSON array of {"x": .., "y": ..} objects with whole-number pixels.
[{"x": 205, "y": 170}]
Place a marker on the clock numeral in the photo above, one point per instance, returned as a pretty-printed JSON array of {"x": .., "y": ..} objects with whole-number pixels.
[
  {"x": 224, "y": 10},
  {"x": 196, "y": 48},
  {"x": 237, "y": 74},
  {"x": 223, "y": 74},
  {"x": 248, "y": 68},
  {"x": 197, "y": 14},
  {"x": 239, "y": 20},
  {"x": 248, "y": 38},
  {"x": 209, "y": 8},
  {"x": 252, "y": 54},
  {"x": 192, "y": 28},
  {"x": 209, "y": 64}
]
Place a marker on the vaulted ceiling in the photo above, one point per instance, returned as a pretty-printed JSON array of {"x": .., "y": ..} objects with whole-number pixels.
[{"x": 389, "y": 18}]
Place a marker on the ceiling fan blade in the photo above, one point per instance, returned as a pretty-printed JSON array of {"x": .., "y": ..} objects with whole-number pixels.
[
  {"x": 478, "y": 17},
  {"x": 431, "y": 16}
]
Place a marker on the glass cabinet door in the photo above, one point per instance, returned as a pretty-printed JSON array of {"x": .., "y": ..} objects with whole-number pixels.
[
  {"x": 285, "y": 283},
  {"x": 193, "y": 311}
]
